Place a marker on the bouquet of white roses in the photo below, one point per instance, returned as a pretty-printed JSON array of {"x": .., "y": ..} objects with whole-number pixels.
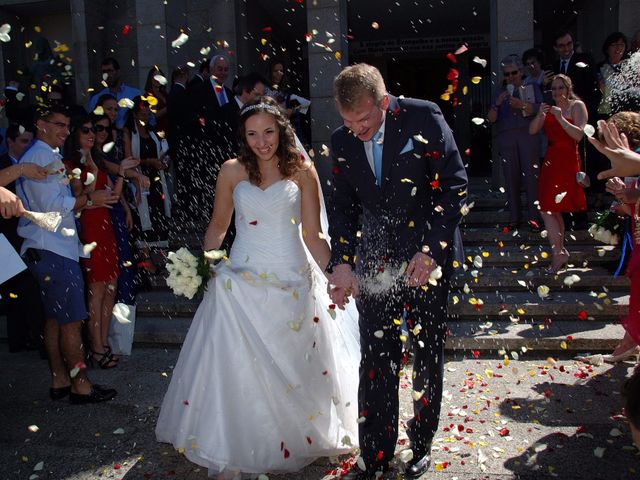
[
  {"x": 188, "y": 274},
  {"x": 607, "y": 228}
]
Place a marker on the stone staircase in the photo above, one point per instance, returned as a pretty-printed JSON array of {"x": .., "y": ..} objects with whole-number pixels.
[{"x": 493, "y": 307}]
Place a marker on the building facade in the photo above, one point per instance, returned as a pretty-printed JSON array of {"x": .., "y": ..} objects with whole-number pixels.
[{"x": 410, "y": 41}]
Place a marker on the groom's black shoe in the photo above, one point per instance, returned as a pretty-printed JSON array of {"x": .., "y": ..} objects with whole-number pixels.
[
  {"x": 418, "y": 466},
  {"x": 356, "y": 474}
]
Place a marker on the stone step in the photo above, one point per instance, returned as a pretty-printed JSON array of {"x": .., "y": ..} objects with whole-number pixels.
[
  {"x": 522, "y": 236},
  {"x": 524, "y": 306},
  {"x": 471, "y": 236},
  {"x": 534, "y": 255},
  {"x": 478, "y": 306},
  {"x": 504, "y": 279},
  {"x": 498, "y": 217},
  {"x": 572, "y": 336}
]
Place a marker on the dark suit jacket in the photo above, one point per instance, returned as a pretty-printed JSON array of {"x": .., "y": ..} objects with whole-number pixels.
[
  {"x": 180, "y": 123},
  {"x": 397, "y": 221},
  {"x": 584, "y": 79},
  {"x": 196, "y": 81},
  {"x": 211, "y": 120}
]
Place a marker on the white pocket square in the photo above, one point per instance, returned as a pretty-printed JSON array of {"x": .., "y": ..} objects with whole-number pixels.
[{"x": 408, "y": 147}]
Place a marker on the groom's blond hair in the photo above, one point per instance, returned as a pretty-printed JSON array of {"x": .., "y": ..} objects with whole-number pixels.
[{"x": 355, "y": 82}]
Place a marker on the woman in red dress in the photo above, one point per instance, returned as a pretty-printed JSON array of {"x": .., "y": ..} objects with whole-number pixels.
[
  {"x": 97, "y": 236},
  {"x": 558, "y": 190}
]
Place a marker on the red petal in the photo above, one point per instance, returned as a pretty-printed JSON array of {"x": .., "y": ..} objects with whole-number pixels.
[
  {"x": 316, "y": 319},
  {"x": 372, "y": 374},
  {"x": 452, "y": 58},
  {"x": 309, "y": 441},
  {"x": 582, "y": 315},
  {"x": 126, "y": 29},
  {"x": 476, "y": 354},
  {"x": 286, "y": 453},
  {"x": 267, "y": 29},
  {"x": 253, "y": 222}
]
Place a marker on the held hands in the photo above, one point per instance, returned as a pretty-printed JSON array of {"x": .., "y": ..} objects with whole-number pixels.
[
  {"x": 419, "y": 269},
  {"x": 342, "y": 283}
]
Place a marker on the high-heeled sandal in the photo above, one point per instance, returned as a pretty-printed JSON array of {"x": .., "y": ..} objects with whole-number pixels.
[
  {"x": 107, "y": 349},
  {"x": 621, "y": 357},
  {"x": 104, "y": 360},
  {"x": 559, "y": 261}
]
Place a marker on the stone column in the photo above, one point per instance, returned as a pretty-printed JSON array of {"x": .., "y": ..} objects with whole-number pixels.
[
  {"x": 222, "y": 18},
  {"x": 153, "y": 43},
  {"x": 325, "y": 16},
  {"x": 511, "y": 32},
  {"x": 80, "y": 48},
  {"x": 628, "y": 17}
]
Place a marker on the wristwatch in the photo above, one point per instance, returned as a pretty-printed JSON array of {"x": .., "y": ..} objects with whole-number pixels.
[{"x": 89, "y": 201}]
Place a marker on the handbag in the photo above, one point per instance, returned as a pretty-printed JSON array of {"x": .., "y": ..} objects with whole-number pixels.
[
  {"x": 582, "y": 178},
  {"x": 122, "y": 328}
]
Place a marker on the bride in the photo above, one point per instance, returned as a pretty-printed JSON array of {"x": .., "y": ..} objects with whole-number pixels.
[{"x": 267, "y": 377}]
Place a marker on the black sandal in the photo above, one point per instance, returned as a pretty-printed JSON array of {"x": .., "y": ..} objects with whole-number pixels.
[{"x": 104, "y": 360}]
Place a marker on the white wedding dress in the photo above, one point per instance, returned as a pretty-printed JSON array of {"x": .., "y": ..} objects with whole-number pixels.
[{"x": 267, "y": 378}]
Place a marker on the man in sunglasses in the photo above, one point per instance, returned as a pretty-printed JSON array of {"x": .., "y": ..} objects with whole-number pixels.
[
  {"x": 114, "y": 85},
  {"x": 52, "y": 258}
]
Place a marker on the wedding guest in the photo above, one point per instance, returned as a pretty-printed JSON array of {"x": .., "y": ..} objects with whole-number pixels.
[
  {"x": 514, "y": 107},
  {"x": 116, "y": 152},
  {"x": 101, "y": 268},
  {"x": 615, "y": 146},
  {"x": 614, "y": 50},
  {"x": 53, "y": 259},
  {"x": 24, "y": 310},
  {"x": 157, "y": 89},
  {"x": 111, "y": 76},
  {"x": 628, "y": 197},
  {"x": 153, "y": 205},
  {"x": 558, "y": 190},
  {"x": 202, "y": 75},
  {"x": 533, "y": 60},
  {"x": 121, "y": 216},
  {"x": 179, "y": 135},
  {"x": 580, "y": 68}
]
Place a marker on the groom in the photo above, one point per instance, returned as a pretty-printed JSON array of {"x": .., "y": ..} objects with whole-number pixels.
[{"x": 398, "y": 187}]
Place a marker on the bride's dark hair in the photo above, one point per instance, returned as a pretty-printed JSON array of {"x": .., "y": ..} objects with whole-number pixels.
[{"x": 289, "y": 158}]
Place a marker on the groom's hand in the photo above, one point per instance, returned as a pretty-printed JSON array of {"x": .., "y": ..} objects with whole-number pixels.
[
  {"x": 342, "y": 283},
  {"x": 419, "y": 269}
]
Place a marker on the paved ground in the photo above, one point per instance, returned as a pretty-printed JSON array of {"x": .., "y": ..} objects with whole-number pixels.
[{"x": 530, "y": 418}]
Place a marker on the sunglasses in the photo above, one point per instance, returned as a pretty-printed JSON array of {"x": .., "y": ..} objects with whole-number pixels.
[
  {"x": 513, "y": 73},
  {"x": 99, "y": 128},
  {"x": 86, "y": 130}
]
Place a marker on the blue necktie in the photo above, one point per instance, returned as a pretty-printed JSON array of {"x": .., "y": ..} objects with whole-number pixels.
[
  {"x": 376, "y": 147},
  {"x": 222, "y": 97},
  {"x": 563, "y": 67}
]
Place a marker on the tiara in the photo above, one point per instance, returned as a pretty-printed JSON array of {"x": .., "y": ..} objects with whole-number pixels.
[{"x": 261, "y": 106}]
